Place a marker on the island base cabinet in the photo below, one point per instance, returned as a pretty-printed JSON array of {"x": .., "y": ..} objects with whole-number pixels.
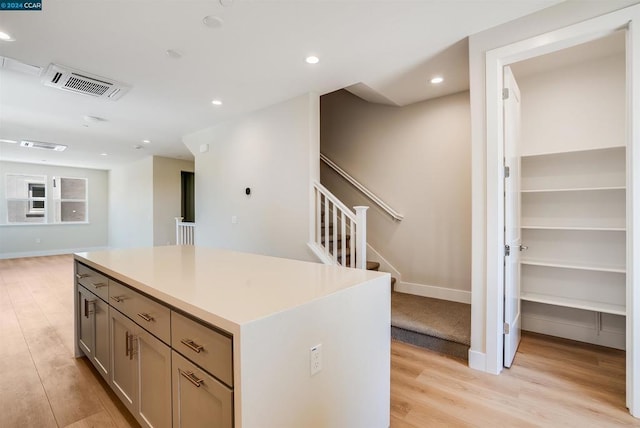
[
  {"x": 199, "y": 400},
  {"x": 93, "y": 331},
  {"x": 141, "y": 371}
]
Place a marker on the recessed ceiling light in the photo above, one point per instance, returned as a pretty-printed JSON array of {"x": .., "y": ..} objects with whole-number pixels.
[
  {"x": 437, "y": 79},
  {"x": 174, "y": 54},
  {"x": 4, "y": 140},
  {"x": 103, "y": 154},
  {"x": 216, "y": 102},
  {"x": 6, "y": 37},
  {"x": 212, "y": 21},
  {"x": 226, "y": 3},
  {"x": 312, "y": 59},
  {"x": 146, "y": 141}
]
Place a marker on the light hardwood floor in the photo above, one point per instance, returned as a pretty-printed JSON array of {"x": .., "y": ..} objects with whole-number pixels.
[{"x": 554, "y": 383}]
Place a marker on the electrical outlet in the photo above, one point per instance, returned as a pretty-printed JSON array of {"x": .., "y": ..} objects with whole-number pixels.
[
  {"x": 38, "y": 240},
  {"x": 315, "y": 359},
  {"x": 234, "y": 219}
]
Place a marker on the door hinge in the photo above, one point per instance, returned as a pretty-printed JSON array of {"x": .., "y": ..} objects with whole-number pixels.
[
  {"x": 505, "y": 93},
  {"x": 507, "y": 250},
  {"x": 506, "y": 328},
  {"x": 507, "y": 172}
]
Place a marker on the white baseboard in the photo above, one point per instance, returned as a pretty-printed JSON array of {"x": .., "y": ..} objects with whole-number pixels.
[
  {"x": 478, "y": 360},
  {"x": 49, "y": 252},
  {"x": 450, "y": 294},
  {"x": 574, "y": 331}
]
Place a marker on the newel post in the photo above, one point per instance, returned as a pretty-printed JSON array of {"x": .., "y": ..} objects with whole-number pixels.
[
  {"x": 178, "y": 220},
  {"x": 361, "y": 237}
]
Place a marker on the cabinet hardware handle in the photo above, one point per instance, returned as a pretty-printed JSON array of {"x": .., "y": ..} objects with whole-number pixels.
[
  {"x": 82, "y": 275},
  {"x": 126, "y": 343},
  {"x": 99, "y": 285},
  {"x": 131, "y": 347},
  {"x": 118, "y": 299},
  {"x": 146, "y": 317},
  {"x": 88, "y": 302},
  {"x": 191, "y": 378},
  {"x": 192, "y": 345}
]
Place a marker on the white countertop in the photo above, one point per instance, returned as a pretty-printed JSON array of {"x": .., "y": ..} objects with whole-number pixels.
[{"x": 225, "y": 288}]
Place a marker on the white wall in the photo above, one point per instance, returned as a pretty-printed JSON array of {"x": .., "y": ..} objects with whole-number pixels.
[
  {"x": 538, "y": 23},
  {"x": 275, "y": 152},
  {"x": 418, "y": 160},
  {"x": 21, "y": 240},
  {"x": 167, "y": 191},
  {"x": 131, "y": 205},
  {"x": 575, "y": 107}
]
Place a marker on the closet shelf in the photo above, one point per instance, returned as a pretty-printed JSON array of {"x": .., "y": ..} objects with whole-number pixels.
[
  {"x": 586, "y": 228},
  {"x": 608, "y": 308},
  {"x": 593, "y": 150},
  {"x": 574, "y": 189},
  {"x": 573, "y": 265}
]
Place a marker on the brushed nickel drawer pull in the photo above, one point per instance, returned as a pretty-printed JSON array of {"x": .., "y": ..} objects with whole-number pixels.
[
  {"x": 99, "y": 285},
  {"x": 146, "y": 317},
  {"x": 118, "y": 299},
  {"x": 131, "y": 339},
  {"x": 191, "y": 378},
  {"x": 126, "y": 343},
  {"x": 192, "y": 345},
  {"x": 82, "y": 275}
]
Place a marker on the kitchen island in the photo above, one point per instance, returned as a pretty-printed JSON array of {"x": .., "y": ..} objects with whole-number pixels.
[{"x": 190, "y": 336}]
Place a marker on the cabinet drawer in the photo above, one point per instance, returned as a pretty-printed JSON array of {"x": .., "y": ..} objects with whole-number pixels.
[
  {"x": 199, "y": 400},
  {"x": 204, "y": 346},
  {"x": 152, "y": 316},
  {"x": 93, "y": 281}
]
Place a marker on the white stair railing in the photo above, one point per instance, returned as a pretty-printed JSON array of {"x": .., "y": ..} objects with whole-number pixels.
[
  {"x": 339, "y": 235},
  {"x": 185, "y": 232}
]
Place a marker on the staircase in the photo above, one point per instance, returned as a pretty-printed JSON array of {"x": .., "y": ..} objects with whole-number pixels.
[{"x": 338, "y": 237}]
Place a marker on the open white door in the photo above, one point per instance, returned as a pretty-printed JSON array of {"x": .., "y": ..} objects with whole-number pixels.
[{"x": 512, "y": 237}]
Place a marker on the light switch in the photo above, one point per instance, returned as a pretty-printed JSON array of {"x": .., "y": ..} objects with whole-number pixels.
[{"x": 234, "y": 219}]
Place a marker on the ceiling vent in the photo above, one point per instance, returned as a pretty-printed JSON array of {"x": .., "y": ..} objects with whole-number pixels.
[
  {"x": 80, "y": 82},
  {"x": 42, "y": 145}
]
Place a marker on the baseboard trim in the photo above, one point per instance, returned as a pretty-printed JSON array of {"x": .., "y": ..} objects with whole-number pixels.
[
  {"x": 49, "y": 252},
  {"x": 435, "y": 292},
  {"x": 477, "y": 360},
  {"x": 573, "y": 331}
]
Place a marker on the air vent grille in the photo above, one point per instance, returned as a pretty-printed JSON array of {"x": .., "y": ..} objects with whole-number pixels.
[
  {"x": 86, "y": 85},
  {"x": 42, "y": 145},
  {"x": 71, "y": 80}
]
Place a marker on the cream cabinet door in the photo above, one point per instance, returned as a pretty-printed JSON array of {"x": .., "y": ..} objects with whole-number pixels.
[
  {"x": 154, "y": 375},
  {"x": 101, "y": 346},
  {"x": 199, "y": 400},
  {"x": 86, "y": 321},
  {"x": 123, "y": 377}
]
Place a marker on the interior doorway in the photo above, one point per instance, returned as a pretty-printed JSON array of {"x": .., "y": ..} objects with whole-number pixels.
[
  {"x": 188, "y": 208},
  {"x": 496, "y": 59}
]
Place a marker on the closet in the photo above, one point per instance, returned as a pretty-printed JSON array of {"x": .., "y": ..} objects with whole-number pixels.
[{"x": 572, "y": 192}]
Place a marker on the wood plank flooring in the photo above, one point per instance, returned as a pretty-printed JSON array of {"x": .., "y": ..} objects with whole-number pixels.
[{"x": 553, "y": 383}]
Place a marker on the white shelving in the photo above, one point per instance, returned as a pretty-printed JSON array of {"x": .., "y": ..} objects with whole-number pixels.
[
  {"x": 574, "y": 303},
  {"x": 573, "y": 221}
]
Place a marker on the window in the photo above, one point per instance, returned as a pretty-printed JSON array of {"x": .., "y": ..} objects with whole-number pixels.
[
  {"x": 33, "y": 199},
  {"x": 70, "y": 199},
  {"x": 26, "y": 198}
]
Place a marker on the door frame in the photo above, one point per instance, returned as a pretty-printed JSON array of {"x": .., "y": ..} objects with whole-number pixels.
[{"x": 496, "y": 59}]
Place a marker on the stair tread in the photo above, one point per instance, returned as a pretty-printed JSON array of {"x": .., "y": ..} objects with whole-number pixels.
[{"x": 373, "y": 265}]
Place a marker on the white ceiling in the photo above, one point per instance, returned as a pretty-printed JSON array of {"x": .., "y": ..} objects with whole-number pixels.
[{"x": 387, "y": 49}]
